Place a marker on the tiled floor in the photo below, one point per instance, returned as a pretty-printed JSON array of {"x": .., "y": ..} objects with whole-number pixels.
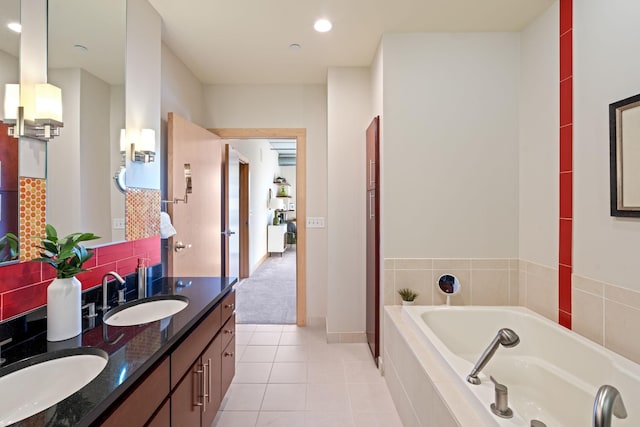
[{"x": 290, "y": 377}]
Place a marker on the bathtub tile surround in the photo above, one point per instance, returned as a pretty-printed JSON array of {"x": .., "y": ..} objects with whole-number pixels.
[
  {"x": 538, "y": 287},
  {"x": 23, "y": 286},
  {"x": 483, "y": 281},
  {"x": 608, "y": 315}
]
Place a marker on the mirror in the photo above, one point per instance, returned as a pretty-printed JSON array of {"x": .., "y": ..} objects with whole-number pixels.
[
  {"x": 624, "y": 156},
  {"x": 86, "y": 59},
  {"x": 448, "y": 284},
  {"x": 9, "y": 183}
]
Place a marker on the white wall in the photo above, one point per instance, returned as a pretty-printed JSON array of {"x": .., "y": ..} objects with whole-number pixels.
[
  {"x": 539, "y": 150},
  {"x": 349, "y": 114},
  {"x": 9, "y": 73},
  {"x": 289, "y": 172},
  {"x": 606, "y": 69},
  {"x": 263, "y": 166},
  {"x": 117, "y": 122},
  {"x": 182, "y": 92},
  {"x": 290, "y": 106},
  {"x": 143, "y": 88},
  {"x": 450, "y": 145}
]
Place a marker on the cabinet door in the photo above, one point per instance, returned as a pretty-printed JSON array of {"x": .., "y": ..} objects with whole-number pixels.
[
  {"x": 212, "y": 397},
  {"x": 162, "y": 418},
  {"x": 228, "y": 365},
  {"x": 187, "y": 398}
]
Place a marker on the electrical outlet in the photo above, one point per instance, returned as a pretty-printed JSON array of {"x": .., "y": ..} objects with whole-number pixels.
[
  {"x": 118, "y": 223},
  {"x": 315, "y": 222}
]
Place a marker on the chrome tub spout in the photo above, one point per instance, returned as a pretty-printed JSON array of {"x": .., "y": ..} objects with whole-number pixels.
[{"x": 608, "y": 402}]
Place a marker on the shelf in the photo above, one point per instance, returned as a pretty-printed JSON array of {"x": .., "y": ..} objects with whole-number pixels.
[
  {"x": 283, "y": 197},
  {"x": 282, "y": 183}
]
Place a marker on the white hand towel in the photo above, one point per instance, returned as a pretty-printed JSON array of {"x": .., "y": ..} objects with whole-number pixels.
[{"x": 166, "y": 228}]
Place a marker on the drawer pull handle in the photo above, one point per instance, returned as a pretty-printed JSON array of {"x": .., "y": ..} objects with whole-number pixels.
[
  {"x": 200, "y": 383},
  {"x": 231, "y": 306},
  {"x": 228, "y": 354},
  {"x": 228, "y": 331}
]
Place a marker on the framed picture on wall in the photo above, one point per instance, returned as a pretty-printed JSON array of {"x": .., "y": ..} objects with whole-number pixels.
[{"x": 292, "y": 206}]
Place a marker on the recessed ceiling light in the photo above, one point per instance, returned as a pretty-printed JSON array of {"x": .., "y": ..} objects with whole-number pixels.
[
  {"x": 322, "y": 25},
  {"x": 295, "y": 46},
  {"x": 15, "y": 27}
]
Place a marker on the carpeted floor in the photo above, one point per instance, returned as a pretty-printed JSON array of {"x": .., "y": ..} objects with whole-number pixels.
[{"x": 269, "y": 294}]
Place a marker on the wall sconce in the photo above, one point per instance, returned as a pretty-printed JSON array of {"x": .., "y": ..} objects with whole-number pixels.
[
  {"x": 143, "y": 144},
  {"x": 44, "y": 102}
]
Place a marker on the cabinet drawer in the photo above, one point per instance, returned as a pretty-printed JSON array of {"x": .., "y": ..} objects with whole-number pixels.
[
  {"x": 228, "y": 331},
  {"x": 228, "y": 306},
  {"x": 184, "y": 356},
  {"x": 141, "y": 403},
  {"x": 228, "y": 366}
]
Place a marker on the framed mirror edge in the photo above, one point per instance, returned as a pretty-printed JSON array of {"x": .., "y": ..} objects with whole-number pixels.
[{"x": 617, "y": 208}]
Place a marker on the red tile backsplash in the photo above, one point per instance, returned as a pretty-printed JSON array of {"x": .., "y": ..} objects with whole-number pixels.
[
  {"x": 566, "y": 16},
  {"x": 566, "y": 55},
  {"x": 564, "y": 290},
  {"x": 566, "y": 102},
  {"x": 566, "y": 237},
  {"x": 23, "y": 286},
  {"x": 564, "y": 319},
  {"x": 566, "y": 195}
]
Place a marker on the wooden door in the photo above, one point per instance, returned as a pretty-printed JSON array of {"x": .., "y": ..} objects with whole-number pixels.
[
  {"x": 373, "y": 240},
  {"x": 195, "y": 158},
  {"x": 244, "y": 220}
]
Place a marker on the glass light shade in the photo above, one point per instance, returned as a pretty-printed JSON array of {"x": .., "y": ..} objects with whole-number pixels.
[
  {"x": 276, "y": 203},
  {"x": 11, "y": 101},
  {"x": 147, "y": 141},
  {"x": 48, "y": 102}
]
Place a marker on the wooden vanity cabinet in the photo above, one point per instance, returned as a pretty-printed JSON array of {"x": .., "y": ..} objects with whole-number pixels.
[{"x": 196, "y": 398}]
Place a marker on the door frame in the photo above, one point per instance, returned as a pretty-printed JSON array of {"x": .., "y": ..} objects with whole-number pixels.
[
  {"x": 244, "y": 218},
  {"x": 300, "y": 135}
]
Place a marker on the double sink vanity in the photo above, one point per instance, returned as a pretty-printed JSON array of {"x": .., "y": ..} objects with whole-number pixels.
[{"x": 159, "y": 361}]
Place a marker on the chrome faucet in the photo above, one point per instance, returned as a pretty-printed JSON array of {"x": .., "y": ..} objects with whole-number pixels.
[
  {"x": 507, "y": 338},
  {"x": 105, "y": 286},
  {"x": 608, "y": 401}
]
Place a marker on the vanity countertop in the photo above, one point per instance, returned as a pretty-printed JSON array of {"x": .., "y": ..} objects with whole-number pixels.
[{"x": 137, "y": 350}]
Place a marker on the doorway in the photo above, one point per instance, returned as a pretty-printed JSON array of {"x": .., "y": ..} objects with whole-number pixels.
[{"x": 300, "y": 137}]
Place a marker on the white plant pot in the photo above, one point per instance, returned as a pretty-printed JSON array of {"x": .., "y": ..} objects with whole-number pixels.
[
  {"x": 64, "y": 317},
  {"x": 407, "y": 302}
]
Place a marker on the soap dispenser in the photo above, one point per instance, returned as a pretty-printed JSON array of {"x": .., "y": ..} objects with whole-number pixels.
[{"x": 142, "y": 279}]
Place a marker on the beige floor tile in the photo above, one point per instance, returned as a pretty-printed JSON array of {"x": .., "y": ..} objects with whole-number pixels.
[
  {"x": 376, "y": 419},
  {"x": 328, "y": 419},
  {"x": 245, "y": 327},
  {"x": 362, "y": 372},
  {"x": 235, "y": 419},
  {"x": 244, "y": 397},
  {"x": 327, "y": 397},
  {"x": 288, "y": 373},
  {"x": 265, "y": 338},
  {"x": 259, "y": 353},
  {"x": 252, "y": 373},
  {"x": 291, "y": 353},
  {"x": 325, "y": 372},
  {"x": 370, "y": 398},
  {"x": 285, "y": 397},
  {"x": 292, "y": 338},
  {"x": 269, "y": 328},
  {"x": 280, "y": 419},
  {"x": 243, "y": 337}
]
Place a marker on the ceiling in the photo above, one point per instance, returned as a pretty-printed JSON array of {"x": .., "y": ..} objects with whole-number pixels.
[
  {"x": 247, "y": 41},
  {"x": 286, "y": 149},
  {"x": 9, "y": 40}
]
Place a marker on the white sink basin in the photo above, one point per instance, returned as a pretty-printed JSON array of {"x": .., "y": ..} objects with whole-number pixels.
[
  {"x": 34, "y": 384},
  {"x": 145, "y": 310}
]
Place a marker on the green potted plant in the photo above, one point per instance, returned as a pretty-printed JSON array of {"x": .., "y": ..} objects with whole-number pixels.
[
  {"x": 407, "y": 295},
  {"x": 9, "y": 247},
  {"x": 66, "y": 255}
]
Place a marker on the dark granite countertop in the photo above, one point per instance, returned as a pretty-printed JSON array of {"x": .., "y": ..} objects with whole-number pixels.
[{"x": 132, "y": 350}]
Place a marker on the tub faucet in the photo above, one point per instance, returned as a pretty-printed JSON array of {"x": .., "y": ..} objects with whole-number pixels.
[
  {"x": 507, "y": 338},
  {"x": 105, "y": 283},
  {"x": 608, "y": 402}
]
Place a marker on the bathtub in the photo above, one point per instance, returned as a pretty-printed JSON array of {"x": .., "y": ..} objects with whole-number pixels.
[{"x": 552, "y": 375}]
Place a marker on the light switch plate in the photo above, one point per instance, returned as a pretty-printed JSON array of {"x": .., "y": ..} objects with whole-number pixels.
[
  {"x": 315, "y": 222},
  {"x": 118, "y": 223}
]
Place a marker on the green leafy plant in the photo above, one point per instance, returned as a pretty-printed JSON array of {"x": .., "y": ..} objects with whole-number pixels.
[
  {"x": 407, "y": 294},
  {"x": 65, "y": 254},
  {"x": 9, "y": 241}
]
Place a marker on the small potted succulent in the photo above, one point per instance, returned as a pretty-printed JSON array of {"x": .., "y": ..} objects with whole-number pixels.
[
  {"x": 407, "y": 295},
  {"x": 66, "y": 255}
]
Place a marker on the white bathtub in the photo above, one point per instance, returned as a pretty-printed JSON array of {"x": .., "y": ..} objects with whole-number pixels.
[{"x": 553, "y": 374}]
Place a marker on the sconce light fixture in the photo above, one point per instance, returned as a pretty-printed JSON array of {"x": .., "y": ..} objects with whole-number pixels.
[
  {"x": 143, "y": 144},
  {"x": 42, "y": 117}
]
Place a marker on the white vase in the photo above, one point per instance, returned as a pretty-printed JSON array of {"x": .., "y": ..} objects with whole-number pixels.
[
  {"x": 407, "y": 302},
  {"x": 64, "y": 317}
]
